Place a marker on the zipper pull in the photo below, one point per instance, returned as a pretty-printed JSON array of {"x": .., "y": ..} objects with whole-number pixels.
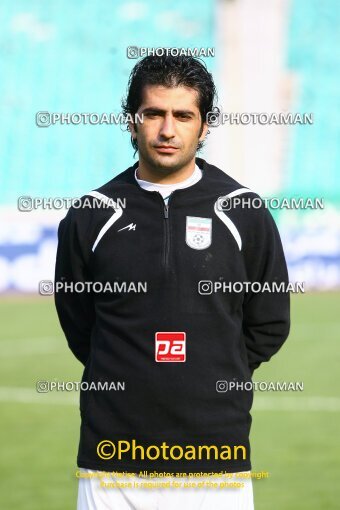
[{"x": 166, "y": 211}]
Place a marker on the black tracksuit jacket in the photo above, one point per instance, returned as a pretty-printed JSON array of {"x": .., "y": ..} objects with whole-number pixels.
[{"x": 228, "y": 334}]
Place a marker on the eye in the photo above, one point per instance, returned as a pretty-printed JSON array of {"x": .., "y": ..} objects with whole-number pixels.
[
  {"x": 151, "y": 115},
  {"x": 184, "y": 116}
]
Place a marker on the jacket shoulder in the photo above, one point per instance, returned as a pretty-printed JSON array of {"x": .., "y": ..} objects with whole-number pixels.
[
  {"x": 100, "y": 203},
  {"x": 120, "y": 182},
  {"x": 219, "y": 178}
]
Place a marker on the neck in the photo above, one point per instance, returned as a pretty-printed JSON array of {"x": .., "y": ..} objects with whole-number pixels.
[{"x": 150, "y": 173}]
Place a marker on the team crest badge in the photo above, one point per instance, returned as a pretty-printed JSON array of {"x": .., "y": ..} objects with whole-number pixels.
[{"x": 198, "y": 232}]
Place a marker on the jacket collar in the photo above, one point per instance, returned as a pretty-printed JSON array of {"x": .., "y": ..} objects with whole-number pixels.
[{"x": 200, "y": 185}]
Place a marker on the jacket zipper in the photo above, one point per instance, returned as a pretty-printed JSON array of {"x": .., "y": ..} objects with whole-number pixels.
[
  {"x": 166, "y": 251},
  {"x": 167, "y": 236}
]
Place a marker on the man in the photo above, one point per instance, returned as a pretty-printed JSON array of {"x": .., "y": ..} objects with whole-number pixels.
[{"x": 178, "y": 342}]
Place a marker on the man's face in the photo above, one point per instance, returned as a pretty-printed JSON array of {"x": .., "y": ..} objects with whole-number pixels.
[{"x": 168, "y": 137}]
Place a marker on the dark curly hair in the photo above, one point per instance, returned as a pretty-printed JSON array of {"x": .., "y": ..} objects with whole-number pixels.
[{"x": 170, "y": 71}]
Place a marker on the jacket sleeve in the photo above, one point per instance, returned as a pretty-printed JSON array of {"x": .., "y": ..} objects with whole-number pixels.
[
  {"x": 266, "y": 315},
  {"x": 75, "y": 309}
]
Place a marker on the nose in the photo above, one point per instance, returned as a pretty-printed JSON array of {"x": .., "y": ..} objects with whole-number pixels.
[{"x": 168, "y": 127}]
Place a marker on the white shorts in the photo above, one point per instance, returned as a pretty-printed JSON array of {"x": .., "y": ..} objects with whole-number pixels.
[{"x": 91, "y": 496}]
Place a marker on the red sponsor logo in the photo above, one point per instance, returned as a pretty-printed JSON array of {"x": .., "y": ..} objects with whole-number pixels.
[{"x": 170, "y": 346}]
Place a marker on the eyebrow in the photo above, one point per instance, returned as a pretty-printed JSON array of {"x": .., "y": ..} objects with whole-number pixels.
[{"x": 154, "y": 109}]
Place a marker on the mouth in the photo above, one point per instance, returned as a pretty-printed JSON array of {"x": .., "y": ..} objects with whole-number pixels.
[{"x": 166, "y": 149}]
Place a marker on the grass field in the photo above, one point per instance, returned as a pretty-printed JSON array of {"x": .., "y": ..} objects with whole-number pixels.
[{"x": 295, "y": 435}]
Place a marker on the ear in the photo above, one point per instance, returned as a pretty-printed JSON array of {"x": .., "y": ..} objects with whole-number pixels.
[
  {"x": 132, "y": 130},
  {"x": 204, "y": 132}
]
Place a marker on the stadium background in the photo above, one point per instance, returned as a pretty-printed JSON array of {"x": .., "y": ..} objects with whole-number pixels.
[{"x": 72, "y": 57}]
